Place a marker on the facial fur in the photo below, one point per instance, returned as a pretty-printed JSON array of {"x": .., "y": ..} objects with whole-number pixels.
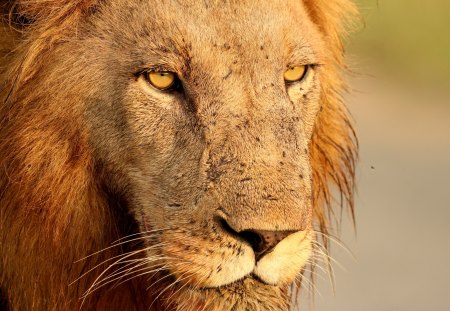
[{"x": 133, "y": 198}]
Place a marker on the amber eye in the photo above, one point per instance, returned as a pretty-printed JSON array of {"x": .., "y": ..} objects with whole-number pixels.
[
  {"x": 162, "y": 80},
  {"x": 295, "y": 74}
]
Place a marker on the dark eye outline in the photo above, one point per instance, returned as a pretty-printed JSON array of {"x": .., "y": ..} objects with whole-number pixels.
[{"x": 176, "y": 86}]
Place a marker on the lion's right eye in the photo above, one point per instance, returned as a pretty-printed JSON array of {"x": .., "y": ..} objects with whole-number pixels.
[{"x": 162, "y": 80}]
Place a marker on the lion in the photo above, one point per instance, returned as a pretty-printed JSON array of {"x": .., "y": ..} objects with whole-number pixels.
[{"x": 169, "y": 155}]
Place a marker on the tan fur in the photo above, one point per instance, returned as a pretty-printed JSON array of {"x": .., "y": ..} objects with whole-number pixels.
[{"x": 103, "y": 178}]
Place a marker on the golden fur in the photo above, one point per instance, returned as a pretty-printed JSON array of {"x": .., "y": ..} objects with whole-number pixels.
[{"x": 77, "y": 196}]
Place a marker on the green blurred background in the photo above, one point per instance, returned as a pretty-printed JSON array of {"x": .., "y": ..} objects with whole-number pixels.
[
  {"x": 400, "y": 102},
  {"x": 408, "y": 38}
]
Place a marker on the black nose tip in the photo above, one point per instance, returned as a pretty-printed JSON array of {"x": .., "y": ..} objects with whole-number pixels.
[{"x": 262, "y": 241}]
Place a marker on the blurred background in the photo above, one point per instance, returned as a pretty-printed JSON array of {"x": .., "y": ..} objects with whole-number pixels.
[{"x": 400, "y": 61}]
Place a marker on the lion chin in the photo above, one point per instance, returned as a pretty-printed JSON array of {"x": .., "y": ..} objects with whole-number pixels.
[
  {"x": 245, "y": 294},
  {"x": 169, "y": 155}
]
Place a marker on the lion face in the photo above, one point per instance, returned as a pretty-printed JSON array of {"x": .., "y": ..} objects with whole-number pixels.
[
  {"x": 205, "y": 135},
  {"x": 215, "y": 171}
]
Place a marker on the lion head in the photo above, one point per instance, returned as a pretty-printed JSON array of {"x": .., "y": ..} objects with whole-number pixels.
[{"x": 168, "y": 154}]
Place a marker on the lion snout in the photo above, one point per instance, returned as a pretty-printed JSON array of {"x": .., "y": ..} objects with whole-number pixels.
[{"x": 261, "y": 241}]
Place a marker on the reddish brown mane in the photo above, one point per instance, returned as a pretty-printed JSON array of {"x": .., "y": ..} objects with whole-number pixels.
[
  {"x": 48, "y": 177},
  {"x": 334, "y": 146}
]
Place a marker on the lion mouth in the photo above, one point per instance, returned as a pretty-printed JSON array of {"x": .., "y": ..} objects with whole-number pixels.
[{"x": 238, "y": 264}]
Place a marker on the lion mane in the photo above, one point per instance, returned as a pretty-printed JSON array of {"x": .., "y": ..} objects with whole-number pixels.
[{"x": 54, "y": 208}]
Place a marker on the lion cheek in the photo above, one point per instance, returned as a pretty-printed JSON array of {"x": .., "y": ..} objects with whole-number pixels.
[{"x": 283, "y": 264}]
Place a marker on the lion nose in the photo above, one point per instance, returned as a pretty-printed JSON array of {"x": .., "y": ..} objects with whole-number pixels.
[{"x": 262, "y": 241}]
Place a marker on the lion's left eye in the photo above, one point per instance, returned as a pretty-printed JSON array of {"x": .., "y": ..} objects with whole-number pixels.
[
  {"x": 162, "y": 80},
  {"x": 295, "y": 74}
]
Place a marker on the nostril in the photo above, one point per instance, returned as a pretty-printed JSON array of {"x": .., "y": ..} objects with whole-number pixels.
[
  {"x": 224, "y": 225},
  {"x": 261, "y": 241},
  {"x": 249, "y": 236},
  {"x": 254, "y": 239}
]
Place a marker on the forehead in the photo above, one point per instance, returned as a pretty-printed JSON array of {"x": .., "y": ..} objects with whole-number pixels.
[
  {"x": 246, "y": 19},
  {"x": 283, "y": 26}
]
